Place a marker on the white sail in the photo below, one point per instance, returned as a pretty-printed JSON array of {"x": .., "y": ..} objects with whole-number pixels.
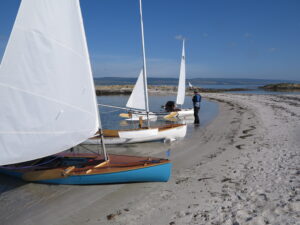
[
  {"x": 181, "y": 83},
  {"x": 47, "y": 96},
  {"x": 190, "y": 85},
  {"x": 137, "y": 97}
]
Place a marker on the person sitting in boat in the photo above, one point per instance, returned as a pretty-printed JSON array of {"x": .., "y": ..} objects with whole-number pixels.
[{"x": 170, "y": 106}]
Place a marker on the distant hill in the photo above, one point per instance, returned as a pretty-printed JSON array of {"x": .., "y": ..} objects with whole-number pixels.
[{"x": 194, "y": 81}]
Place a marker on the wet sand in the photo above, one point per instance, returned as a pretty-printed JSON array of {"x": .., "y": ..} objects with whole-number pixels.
[{"x": 241, "y": 168}]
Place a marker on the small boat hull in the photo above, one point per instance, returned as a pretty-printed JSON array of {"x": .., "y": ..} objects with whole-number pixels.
[
  {"x": 160, "y": 173},
  {"x": 185, "y": 113},
  {"x": 136, "y": 117},
  {"x": 138, "y": 169},
  {"x": 168, "y": 132}
]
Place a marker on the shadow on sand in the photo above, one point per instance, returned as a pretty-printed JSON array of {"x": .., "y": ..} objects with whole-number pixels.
[{"x": 8, "y": 183}]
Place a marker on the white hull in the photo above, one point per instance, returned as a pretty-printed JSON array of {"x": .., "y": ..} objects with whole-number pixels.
[
  {"x": 136, "y": 117},
  {"x": 168, "y": 132},
  {"x": 180, "y": 114},
  {"x": 185, "y": 113}
]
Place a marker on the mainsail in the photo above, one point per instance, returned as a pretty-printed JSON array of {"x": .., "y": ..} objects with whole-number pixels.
[
  {"x": 181, "y": 83},
  {"x": 137, "y": 97},
  {"x": 47, "y": 95}
]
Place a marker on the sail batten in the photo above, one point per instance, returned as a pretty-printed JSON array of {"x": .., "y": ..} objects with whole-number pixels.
[
  {"x": 181, "y": 83},
  {"x": 47, "y": 95}
]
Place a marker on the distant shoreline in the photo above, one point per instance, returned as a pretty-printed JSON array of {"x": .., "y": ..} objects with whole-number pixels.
[
  {"x": 155, "y": 89},
  {"x": 281, "y": 87},
  {"x": 169, "y": 89},
  {"x": 197, "y": 82}
]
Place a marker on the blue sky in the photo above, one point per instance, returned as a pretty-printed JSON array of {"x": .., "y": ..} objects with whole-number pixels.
[{"x": 225, "y": 38}]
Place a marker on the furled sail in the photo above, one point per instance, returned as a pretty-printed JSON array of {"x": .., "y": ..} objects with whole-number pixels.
[
  {"x": 137, "y": 97},
  {"x": 181, "y": 83},
  {"x": 47, "y": 96}
]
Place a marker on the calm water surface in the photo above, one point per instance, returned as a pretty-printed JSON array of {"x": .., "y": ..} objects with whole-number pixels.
[{"x": 111, "y": 120}]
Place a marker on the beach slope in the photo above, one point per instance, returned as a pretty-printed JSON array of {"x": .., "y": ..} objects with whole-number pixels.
[{"x": 242, "y": 168}]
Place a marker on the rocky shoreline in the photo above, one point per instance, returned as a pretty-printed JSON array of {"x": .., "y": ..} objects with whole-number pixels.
[
  {"x": 282, "y": 87},
  {"x": 168, "y": 89},
  {"x": 154, "y": 89}
]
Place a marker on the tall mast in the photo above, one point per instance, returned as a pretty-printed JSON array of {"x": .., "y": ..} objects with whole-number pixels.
[
  {"x": 102, "y": 139},
  {"x": 144, "y": 66},
  {"x": 93, "y": 85}
]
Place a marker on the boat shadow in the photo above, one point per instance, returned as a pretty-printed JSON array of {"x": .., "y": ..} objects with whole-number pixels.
[{"x": 8, "y": 183}]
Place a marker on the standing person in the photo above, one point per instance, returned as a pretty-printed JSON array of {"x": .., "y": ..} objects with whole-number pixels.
[{"x": 196, "y": 103}]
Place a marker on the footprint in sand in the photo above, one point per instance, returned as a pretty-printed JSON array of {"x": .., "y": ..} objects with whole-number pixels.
[
  {"x": 245, "y": 136},
  {"x": 248, "y": 130},
  {"x": 181, "y": 180},
  {"x": 239, "y": 146}
]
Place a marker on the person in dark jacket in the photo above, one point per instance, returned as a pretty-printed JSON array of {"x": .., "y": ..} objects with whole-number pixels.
[{"x": 196, "y": 104}]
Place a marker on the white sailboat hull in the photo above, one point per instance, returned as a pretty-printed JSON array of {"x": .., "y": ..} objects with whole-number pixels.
[
  {"x": 138, "y": 133},
  {"x": 136, "y": 117},
  {"x": 180, "y": 114},
  {"x": 168, "y": 132},
  {"x": 185, "y": 113}
]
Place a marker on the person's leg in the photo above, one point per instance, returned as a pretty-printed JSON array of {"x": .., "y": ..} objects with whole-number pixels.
[
  {"x": 197, "y": 117},
  {"x": 198, "y": 120},
  {"x": 196, "y": 111}
]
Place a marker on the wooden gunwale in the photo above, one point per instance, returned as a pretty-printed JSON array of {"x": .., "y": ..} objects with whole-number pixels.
[
  {"x": 115, "y": 133},
  {"x": 115, "y": 164}
]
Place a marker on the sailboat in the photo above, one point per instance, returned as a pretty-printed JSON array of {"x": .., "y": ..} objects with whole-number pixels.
[
  {"x": 48, "y": 104},
  {"x": 136, "y": 103},
  {"x": 167, "y": 132},
  {"x": 180, "y": 112}
]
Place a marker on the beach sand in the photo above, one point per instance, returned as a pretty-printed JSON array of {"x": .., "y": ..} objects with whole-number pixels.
[{"x": 242, "y": 168}]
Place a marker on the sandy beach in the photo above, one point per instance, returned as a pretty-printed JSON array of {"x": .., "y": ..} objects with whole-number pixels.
[{"x": 241, "y": 168}]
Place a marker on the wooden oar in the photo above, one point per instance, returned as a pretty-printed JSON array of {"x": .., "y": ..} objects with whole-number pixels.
[
  {"x": 171, "y": 115},
  {"x": 124, "y": 115}
]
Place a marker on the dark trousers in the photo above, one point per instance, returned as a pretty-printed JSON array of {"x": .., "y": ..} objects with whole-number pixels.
[{"x": 196, "y": 112}]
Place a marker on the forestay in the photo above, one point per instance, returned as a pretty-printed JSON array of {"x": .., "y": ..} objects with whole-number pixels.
[
  {"x": 137, "y": 97},
  {"x": 181, "y": 83},
  {"x": 47, "y": 96}
]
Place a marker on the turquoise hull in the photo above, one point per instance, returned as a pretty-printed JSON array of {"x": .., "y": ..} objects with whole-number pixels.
[{"x": 157, "y": 173}]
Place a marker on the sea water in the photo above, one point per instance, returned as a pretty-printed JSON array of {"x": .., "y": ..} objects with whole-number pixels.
[{"x": 111, "y": 120}]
